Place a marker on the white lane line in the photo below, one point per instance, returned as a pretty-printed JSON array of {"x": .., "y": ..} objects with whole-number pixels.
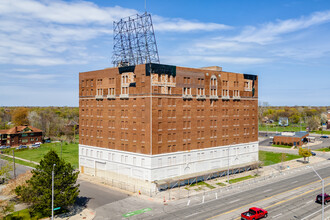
[
  {"x": 309, "y": 201},
  {"x": 295, "y": 181},
  {"x": 234, "y": 201},
  {"x": 277, "y": 215},
  {"x": 188, "y": 202},
  {"x": 192, "y": 214},
  {"x": 307, "y": 217},
  {"x": 268, "y": 190}
]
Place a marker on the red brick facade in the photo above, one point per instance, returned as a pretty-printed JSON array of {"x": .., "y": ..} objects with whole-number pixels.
[{"x": 168, "y": 110}]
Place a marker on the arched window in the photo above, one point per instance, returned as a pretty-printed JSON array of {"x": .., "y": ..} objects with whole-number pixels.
[{"x": 213, "y": 87}]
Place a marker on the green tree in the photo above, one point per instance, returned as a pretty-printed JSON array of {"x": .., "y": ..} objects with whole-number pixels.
[
  {"x": 5, "y": 169},
  {"x": 38, "y": 191},
  {"x": 304, "y": 153},
  {"x": 313, "y": 123}
]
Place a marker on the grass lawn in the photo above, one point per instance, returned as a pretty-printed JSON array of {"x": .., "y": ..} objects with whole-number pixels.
[
  {"x": 289, "y": 128},
  {"x": 201, "y": 184},
  {"x": 241, "y": 179},
  {"x": 284, "y": 146},
  {"x": 221, "y": 184},
  {"x": 69, "y": 152},
  {"x": 22, "y": 214},
  {"x": 280, "y": 128},
  {"x": 326, "y": 149},
  {"x": 269, "y": 158}
]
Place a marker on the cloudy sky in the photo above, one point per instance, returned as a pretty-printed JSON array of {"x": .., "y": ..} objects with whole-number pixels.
[{"x": 45, "y": 44}]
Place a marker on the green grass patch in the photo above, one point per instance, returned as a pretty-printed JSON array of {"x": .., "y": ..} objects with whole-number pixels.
[
  {"x": 202, "y": 183},
  {"x": 69, "y": 152},
  {"x": 241, "y": 179},
  {"x": 221, "y": 184},
  {"x": 283, "y": 146},
  {"x": 281, "y": 128},
  {"x": 321, "y": 132},
  {"x": 327, "y": 149},
  {"x": 22, "y": 214},
  {"x": 19, "y": 161},
  {"x": 269, "y": 158}
]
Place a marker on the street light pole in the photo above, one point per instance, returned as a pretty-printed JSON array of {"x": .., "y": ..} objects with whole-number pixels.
[
  {"x": 322, "y": 180},
  {"x": 228, "y": 166},
  {"x": 53, "y": 191}
]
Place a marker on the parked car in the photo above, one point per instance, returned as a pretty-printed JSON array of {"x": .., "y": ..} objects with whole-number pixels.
[
  {"x": 21, "y": 147},
  {"x": 38, "y": 143},
  {"x": 4, "y": 147},
  {"x": 34, "y": 146},
  {"x": 254, "y": 213},
  {"x": 319, "y": 198},
  {"x": 324, "y": 136},
  {"x": 313, "y": 153},
  {"x": 47, "y": 141}
]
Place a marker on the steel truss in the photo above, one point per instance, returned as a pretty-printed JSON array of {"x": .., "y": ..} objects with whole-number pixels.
[{"x": 134, "y": 41}]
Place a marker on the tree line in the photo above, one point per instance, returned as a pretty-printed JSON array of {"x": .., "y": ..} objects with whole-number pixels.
[
  {"x": 312, "y": 117},
  {"x": 54, "y": 121}
]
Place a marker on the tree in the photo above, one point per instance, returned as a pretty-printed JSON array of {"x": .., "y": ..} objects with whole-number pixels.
[
  {"x": 313, "y": 123},
  {"x": 5, "y": 168},
  {"x": 38, "y": 191},
  {"x": 304, "y": 153},
  {"x": 20, "y": 116}
]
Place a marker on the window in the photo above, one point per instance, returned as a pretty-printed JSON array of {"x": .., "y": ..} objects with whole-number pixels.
[{"x": 213, "y": 86}]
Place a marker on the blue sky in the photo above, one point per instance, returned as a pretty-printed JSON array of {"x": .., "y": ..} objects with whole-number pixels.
[{"x": 45, "y": 44}]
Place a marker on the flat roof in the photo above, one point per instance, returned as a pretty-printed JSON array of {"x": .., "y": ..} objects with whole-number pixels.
[{"x": 296, "y": 134}]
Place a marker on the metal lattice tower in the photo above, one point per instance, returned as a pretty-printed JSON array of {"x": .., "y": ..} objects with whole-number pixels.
[{"x": 134, "y": 41}]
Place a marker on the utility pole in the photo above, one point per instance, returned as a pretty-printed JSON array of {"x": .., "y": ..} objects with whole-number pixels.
[
  {"x": 14, "y": 163},
  {"x": 53, "y": 191},
  {"x": 228, "y": 166}
]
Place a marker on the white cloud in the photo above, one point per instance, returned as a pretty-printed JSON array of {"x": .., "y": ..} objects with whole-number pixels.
[
  {"x": 34, "y": 76},
  {"x": 271, "y": 32},
  {"x": 80, "y": 12},
  {"x": 181, "y": 25}
]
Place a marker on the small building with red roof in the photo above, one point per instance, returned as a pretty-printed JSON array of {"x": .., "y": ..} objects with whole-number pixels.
[{"x": 20, "y": 135}]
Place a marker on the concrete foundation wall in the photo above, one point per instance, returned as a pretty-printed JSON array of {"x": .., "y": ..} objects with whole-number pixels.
[{"x": 142, "y": 170}]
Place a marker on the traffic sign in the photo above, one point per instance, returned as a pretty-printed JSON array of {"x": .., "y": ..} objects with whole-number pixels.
[{"x": 57, "y": 208}]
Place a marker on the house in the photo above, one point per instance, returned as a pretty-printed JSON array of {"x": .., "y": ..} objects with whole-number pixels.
[
  {"x": 20, "y": 135},
  {"x": 153, "y": 123},
  {"x": 291, "y": 138},
  {"x": 283, "y": 121}
]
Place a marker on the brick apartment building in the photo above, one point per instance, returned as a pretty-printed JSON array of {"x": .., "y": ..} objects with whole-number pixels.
[
  {"x": 20, "y": 135},
  {"x": 152, "y": 122},
  {"x": 291, "y": 138}
]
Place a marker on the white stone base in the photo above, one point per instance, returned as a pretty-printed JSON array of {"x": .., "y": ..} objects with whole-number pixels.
[{"x": 142, "y": 170}]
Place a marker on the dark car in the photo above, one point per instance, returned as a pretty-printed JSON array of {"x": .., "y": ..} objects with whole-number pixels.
[
  {"x": 319, "y": 198},
  {"x": 324, "y": 136},
  {"x": 313, "y": 153}
]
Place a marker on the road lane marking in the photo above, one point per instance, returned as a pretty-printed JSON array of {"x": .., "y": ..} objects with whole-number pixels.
[
  {"x": 233, "y": 210},
  {"x": 309, "y": 201},
  {"x": 268, "y": 190},
  {"x": 188, "y": 202},
  {"x": 277, "y": 215},
  {"x": 295, "y": 181},
  {"x": 315, "y": 212},
  {"x": 234, "y": 201},
  {"x": 282, "y": 201},
  {"x": 187, "y": 216}
]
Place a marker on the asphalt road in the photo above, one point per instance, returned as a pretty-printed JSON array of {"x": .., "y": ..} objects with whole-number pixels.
[
  {"x": 94, "y": 195},
  {"x": 226, "y": 207},
  {"x": 19, "y": 168}
]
